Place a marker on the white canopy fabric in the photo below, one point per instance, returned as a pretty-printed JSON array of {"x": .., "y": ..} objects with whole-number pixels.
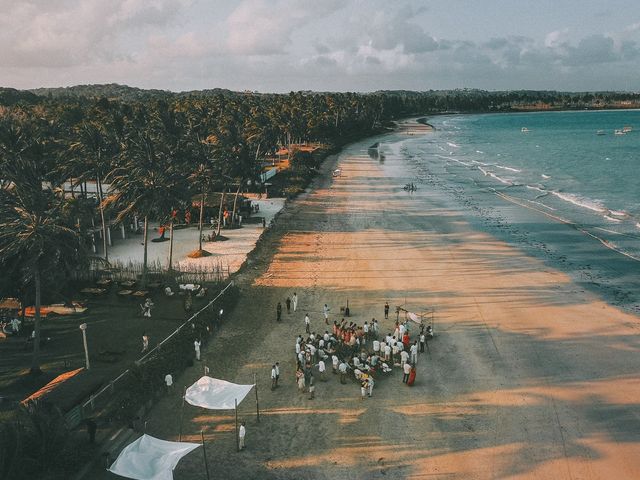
[
  {"x": 412, "y": 316},
  {"x": 216, "y": 394},
  {"x": 149, "y": 458}
]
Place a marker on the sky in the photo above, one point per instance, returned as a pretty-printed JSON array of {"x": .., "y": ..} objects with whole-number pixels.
[{"x": 322, "y": 45}]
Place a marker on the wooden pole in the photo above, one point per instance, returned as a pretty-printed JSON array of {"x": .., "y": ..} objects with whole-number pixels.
[
  {"x": 204, "y": 453},
  {"x": 255, "y": 386},
  {"x": 237, "y": 439},
  {"x": 184, "y": 394}
]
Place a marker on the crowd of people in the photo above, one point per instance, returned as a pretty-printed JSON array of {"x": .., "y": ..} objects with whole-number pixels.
[{"x": 356, "y": 352}]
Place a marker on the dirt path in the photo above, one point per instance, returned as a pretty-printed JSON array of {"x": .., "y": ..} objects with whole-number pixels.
[{"x": 528, "y": 377}]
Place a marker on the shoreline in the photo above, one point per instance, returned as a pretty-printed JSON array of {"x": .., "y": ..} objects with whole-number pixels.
[{"x": 519, "y": 382}]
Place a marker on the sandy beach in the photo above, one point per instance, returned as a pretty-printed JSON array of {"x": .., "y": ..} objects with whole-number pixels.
[{"x": 528, "y": 376}]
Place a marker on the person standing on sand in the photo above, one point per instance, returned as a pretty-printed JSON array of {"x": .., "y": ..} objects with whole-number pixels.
[
  {"x": 274, "y": 380},
  {"x": 279, "y": 312},
  {"x": 343, "y": 372},
  {"x": 322, "y": 369},
  {"x": 168, "y": 380},
  {"x": 386, "y": 310},
  {"x": 288, "y": 304},
  {"x": 423, "y": 340},
  {"x": 145, "y": 342},
  {"x": 242, "y": 432},
  {"x": 300, "y": 380},
  {"x": 196, "y": 346},
  {"x": 325, "y": 312},
  {"x": 312, "y": 387},
  {"x": 414, "y": 352},
  {"x": 277, "y": 372},
  {"x": 407, "y": 370},
  {"x": 294, "y": 299},
  {"x": 307, "y": 322}
]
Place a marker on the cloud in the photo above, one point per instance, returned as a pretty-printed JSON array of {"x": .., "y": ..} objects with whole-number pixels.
[
  {"x": 69, "y": 33},
  {"x": 593, "y": 49},
  {"x": 390, "y": 31},
  {"x": 556, "y": 38},
  {"x": 264, "y": 27}
]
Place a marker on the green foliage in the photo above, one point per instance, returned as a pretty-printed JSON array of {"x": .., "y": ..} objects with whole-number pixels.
[
  {"x": 36, "y": 444},
  {"x": 147, "y": 379}
]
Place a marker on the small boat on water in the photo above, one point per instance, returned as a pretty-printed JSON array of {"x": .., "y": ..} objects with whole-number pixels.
[
  {"x": 619, "y": 132},
  {"x": 600, "y": 132},
  {"x": 627, "y": 129},
  {"x": 525, "y": 130}
]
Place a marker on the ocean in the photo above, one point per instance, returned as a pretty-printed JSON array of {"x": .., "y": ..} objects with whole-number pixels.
[{"x": 561, "y": 185}]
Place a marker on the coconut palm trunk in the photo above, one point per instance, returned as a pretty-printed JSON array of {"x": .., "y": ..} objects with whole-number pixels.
[
  {"x": 235, "y": 202},
  {"x": 220, "y": 214},
  {"x": 171, "y": 244},
  {"x": 201, "y": 219},
  {"x": 35, "y": 360},
  {"x": 145, "y": 241},
  {"x": 104, "y": 223}
]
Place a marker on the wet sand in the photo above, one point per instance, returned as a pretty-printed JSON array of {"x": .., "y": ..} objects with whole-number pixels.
[{"x": 528, "y": 376}]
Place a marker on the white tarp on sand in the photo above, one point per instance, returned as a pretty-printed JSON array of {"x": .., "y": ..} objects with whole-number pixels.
[
  {"x": 149, "y": 458},
  {"x": 412, "y": 316},
  {"x": 216, "y": 394}
]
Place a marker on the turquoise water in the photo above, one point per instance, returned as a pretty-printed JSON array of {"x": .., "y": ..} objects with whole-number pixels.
[
  {"x": 558, "y": 190},
  {"x": 561, "y": 165}
]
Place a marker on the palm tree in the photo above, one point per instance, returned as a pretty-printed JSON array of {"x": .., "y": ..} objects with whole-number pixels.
[
  {"x": 201, "y": 179},
  {"x": 34, "y": 233},
  {"x": 91, "y": 151},
  {"x": 147, "y": 179}
]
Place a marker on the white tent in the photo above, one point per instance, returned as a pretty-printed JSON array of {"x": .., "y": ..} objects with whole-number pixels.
[
  {"x": 216, "y": 394},
  {"x": 149, "y": 458}
]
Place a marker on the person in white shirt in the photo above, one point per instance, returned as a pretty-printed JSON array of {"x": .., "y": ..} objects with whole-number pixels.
[
  {"x": 196, "y": 346},
  {"x": 376, "y": 346},
  {"x": 273, "y": 378},
  {"x": 407, "y": 370},
  {"x": 365, "y": 331},
  {"x": 294, "y": 299},
  {"x": 241, "y": 434},
  {"x": 168, "y": 380},
  {"x": 145, "y": 342},
  {"x": 307, "y": 322},
  {"x": 325, "y": 312},
  {"x": 334, "y": 363},
  {"x": 297, "y": 348},
  {"x": 371, "y": 383},
  {"x": 375, "y": 327},
  {"x": 277, "y": 373},
  {"x": 404, "y": 357},
  {"x": 387, "y": 352},
  {"x": 343, "y": 372},
  {"x": 423, "y": 340},
  {"x": 322, "y": 368},
  {"x": 326, "y": 336},
  {"x": 394, "y": 351},
  {"x": 148, "y": 305},
  {"x": 414, "y": 352},
  {"x": 401, "y": 330}
]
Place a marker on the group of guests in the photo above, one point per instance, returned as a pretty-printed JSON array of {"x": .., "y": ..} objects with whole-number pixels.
[{"x": 357, "y": 350}]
